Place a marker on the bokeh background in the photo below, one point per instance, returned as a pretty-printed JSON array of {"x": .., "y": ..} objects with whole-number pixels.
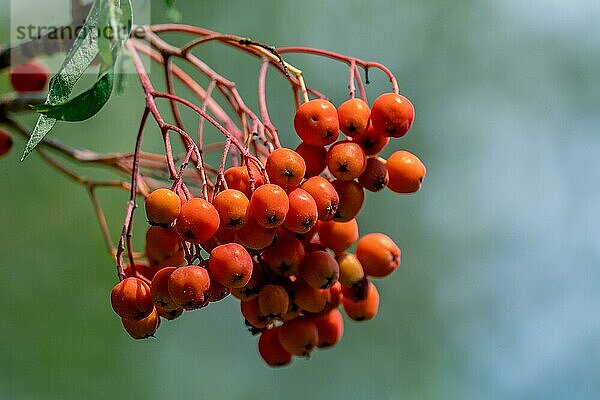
[{"x": 498, "y": 293}]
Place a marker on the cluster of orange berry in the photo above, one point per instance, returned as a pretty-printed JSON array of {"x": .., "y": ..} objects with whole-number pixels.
[{"x": 279, "y": 240}]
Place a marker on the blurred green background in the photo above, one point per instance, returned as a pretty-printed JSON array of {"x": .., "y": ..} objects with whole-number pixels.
[{"x": 499, "y": 286}]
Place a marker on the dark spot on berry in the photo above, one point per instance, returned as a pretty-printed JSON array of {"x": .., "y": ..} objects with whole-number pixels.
[
  {"x": 288, "y": 173},
  {"x": 368, "y": 143},
  {"x": 361, "y": 318},
  {"x": 391, "y": 131},
  {"x": 343, "y": 167},
  {"x": 314, "y": 119},
  {"x": 161, "y": 302},
  {"x": 272, "y": 219},
  {"x": 328, "y": 282},
  {"x": 351, "y": 128},
  {"x": 233, "y": 222},
  {"x": 308, "y": 223},
  {"x": 237, "y": 277},
  {"x": 379, "y": 184},
  {"x": 284, "y": 267},
  {"x": 188, "y": 234}
]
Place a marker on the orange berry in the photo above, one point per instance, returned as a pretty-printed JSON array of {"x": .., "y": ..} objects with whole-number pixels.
[
  {"x": 143, "y": 328},
  {"x": 378, "y": 254},
  {"x": 238, "y": 178},
  {"x": 392, "y": 114},
  {"x": 273, "y": 301},
  {"x": 131, "y": 299},
  {"x": 216, "y": 291},
  {"x": 315, "y": 158},
  {"x": 325, "y": 196},
  {"x": 251, "y": 312},
  {"x": 338, "y": 236},
  {"x": 363, "y": 310},
  {"x": 336, "y": 296},
  {"x": 198, "y": 221},
  {"x": 320, "y": 270},
  {"x": 351, "y": 199},
  {"x": 231, "y": 265},
  {"x": 330, "y": 328},
  {"x": 310, "y": 299},
  {"x": 406, "y": 172},
  {"x": 160, "y": 289},
  {"x": 169, "y": 314},
  {"x": 284, "y": 256},
  {"x": 233, "y": 207},
  {"x": 375, "y": 177},
  {"x": 31, "y": 76},
  {"x": 271, "y": 350},
  {"x": 269, "y": 205},
  {"x": 346, "y": 160},
  {"x": 6, "y": 143},
  {"x": 302, "y": 214},
  {"x": 371, "y": 141},
  {"x": 285, "y": 168},
  {"x": 351, "y": 270},
  {"x": 255, "y": 236},
  {"x": 188, "y": 286},
  {"x": 252, "y": 288},
  {"x": 161, "y": 243},
  {"x": 316, "y": 122},
  {"x": 162, "y": 207},
  {"x": 299, "y": 336},
  {"x": 353, "y": 116}
]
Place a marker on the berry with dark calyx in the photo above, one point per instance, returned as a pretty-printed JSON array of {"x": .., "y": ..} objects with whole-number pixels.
[
  {"x": 198, "y": 221},
  {"x": 188, "y": 286},
  {"x": 325, "y": 195},
  {"x": 269, "y": 205},
  {"x": 162, "y": 207},
  {"x": 273, "y": 301},
  {"x": 392, "y": 114},
  {"x": 406, "y": 172},
  {"x": 231, "y": 265},
  {"x": 375, "y": 177},
  {"x": 251, "y": 312},
  {"x": 285, "y": 256},
  {"x": 353, "y": 116},
  {"x": 299, "y": 336},
  {"x": 346, "y": 160},
  {"x": 378, "y": 254},
  {"x": 285, "y": 168},
  {"x": 233, "y": 207},
  {"x": 371, "y": 141},
  {"x": 365, "y": 309},
  {"x": 302, "y": 213},
  {"x": 310, "y": 299},
  {"x": 252, "y": 288},
  {"x": 351, "y": 197},
  {"x": 316, "y": 122},
  {"x": 143, "y": 328},
  {"x": 131, "y": 299},
  {"x": 159, "y": 289},
  {"x": 320, "y": 270}
]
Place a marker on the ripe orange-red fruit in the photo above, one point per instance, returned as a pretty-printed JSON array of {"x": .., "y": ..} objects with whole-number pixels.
[
  {"x": 273, "y": 301},
  {"x": 159, "y": 288},
  {"x": 198, "y": 221},
  {"x": 285, "y": 168},
  {"x": 169, "y": 314},
  {"x": 269, "y": 205},
  {"x": 310, "y": 299},
  {"x": 346, "y": 160},
  {"x": 338, "y": 236},
  {"x": 233, "y": 207},
  {"x": 6, "y": 143},
  {"x": 363, "y": 310},
  {"x": 351, "y": 199},
  {"x": 325, "y": 196},
  {"x": 161, "y": 243},
  {"x": 319, "y": 269},
  {"x": 251, "y": 312},
  {"x": 188, "y": 286},
  {"x": 351, "y": 270},
  {"x": 131, "y": 299},
  {"x": 255, "y": 236},
  {"x": 371, "y": 141},
  {"x": 375, "y": 177},
  {"x": 238, "y": 178},
  {"x": 231, "y": 265},
  {"x": 299, "y": 336},
  {"x": 330, "y": 328},
  {"x": 406, "y": 172},
  {"x": 252, "y": 288},
  {"x": 162, "y": 207},
  {"x": 31, "y": 76},
  {"x": 315, "y": 158},
  {"x": 378, "y": 254},
  {"x": 216, "y": 291},
  {"x": 353, "y": 116},
  {"x": 143, "y": 328},
  {"x": 271, "y": 350},
  {"x": 316, "y": 122},
  {"x": 392, "y": 114},
  {"x": 285, "y": 256},
  {"x": 302, "y": 214}
]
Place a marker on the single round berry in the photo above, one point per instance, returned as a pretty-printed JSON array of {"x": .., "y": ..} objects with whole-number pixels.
[
  {"x": 251, "y": 312},
  {"x": 406, "y": 172},
  {"x": 285, "y": 168},
  {"x": 285, "y": 256},
  {"x": 6, "y": 143},
  {"x": 351, "y": 270},
  {"x": 302, "y": 214},
  {"x": 316, "y": 122},
  {"x": 309, "y": 298},
  {"x": 233, "y": 207},
  {"x": 315, "y": 158},
  {"x": 330, "y": 328},
  {"x": 378, "y": 254},
  {"x": 161, "y": 244},
  {"x": 162, "y": 207},
  {"x": 351, "y": 199},
  {"x": 299, "y": 336},
  {"x": 375, "y": 177},
  {"x": 273, "y": 301},
  {"x": 363, "y": 310},
  {"x": 346, "y": 160},
  {"x": 338, "y": 236},
  {"x": 131, "y": 299},
  {"x": 392, "y": 115},
  {"x": 325, "y": 196},
  {"x": 159, "y": 288},
  {"x": 230, "y": 265},
  {"x": 198, "y": 221},
  {"x": 269, "y": 205},
  {"x": 320, "y": 270},
  {"x": 371, "y": 141},
  {"x": 31, "y": 76},
  {"x": 143, "y": 328},
  {"x": 353, "y": 116},
  {"x": 255, "y": 236},
  {"x": 271, "y": 350},
  {"x": 240, "y": 179},
  {"x": 188, "y": 286}
]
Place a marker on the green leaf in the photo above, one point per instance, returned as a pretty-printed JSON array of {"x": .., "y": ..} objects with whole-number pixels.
[{"x": 83, "y": 106}]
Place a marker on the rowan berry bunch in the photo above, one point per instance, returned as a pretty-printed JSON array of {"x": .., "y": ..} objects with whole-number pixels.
[{"x": 274, "y": 227}]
